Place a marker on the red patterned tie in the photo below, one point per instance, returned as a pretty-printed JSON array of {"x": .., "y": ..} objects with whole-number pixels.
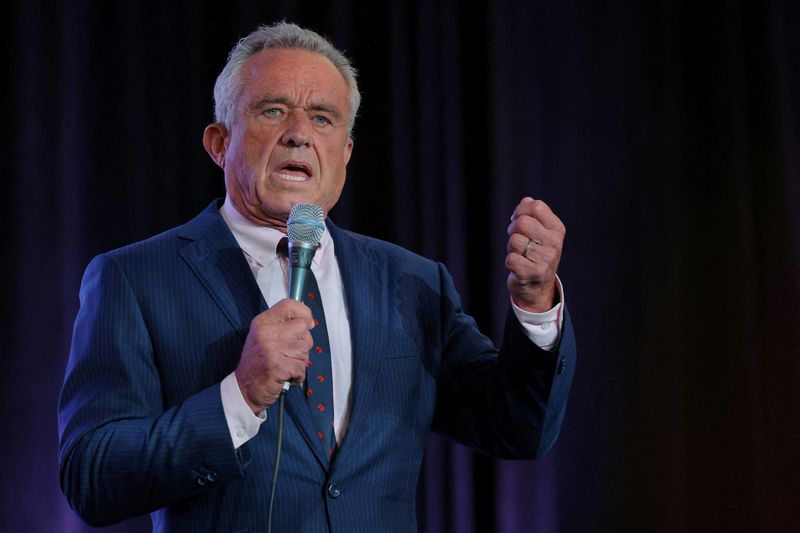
[{"x": 318, "y": 386}]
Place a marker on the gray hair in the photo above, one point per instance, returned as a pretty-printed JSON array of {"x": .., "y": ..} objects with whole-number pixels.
[{"x": 279, "y": 35}]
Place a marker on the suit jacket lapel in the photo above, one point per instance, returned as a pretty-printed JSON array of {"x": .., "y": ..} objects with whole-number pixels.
[
  {"x": 215, "y": 257},
  {"x": 366, "y": 290}
]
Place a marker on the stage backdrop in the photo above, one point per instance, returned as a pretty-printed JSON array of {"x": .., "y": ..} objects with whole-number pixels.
[{"x": 665, "y": 134}]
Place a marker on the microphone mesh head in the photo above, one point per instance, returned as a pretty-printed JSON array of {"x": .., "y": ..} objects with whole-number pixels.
[{"x": 306, "y": 224}]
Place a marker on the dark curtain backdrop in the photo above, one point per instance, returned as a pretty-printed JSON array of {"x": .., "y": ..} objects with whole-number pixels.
[{"x": 665, "y": 134}]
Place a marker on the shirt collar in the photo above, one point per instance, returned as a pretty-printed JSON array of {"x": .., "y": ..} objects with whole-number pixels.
[{"x": 261, "y": 242}]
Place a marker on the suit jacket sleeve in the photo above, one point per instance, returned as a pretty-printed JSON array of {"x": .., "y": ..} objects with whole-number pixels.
[
  {"x": 508, "y": 403},
  {"x": 123, "y": 452}
]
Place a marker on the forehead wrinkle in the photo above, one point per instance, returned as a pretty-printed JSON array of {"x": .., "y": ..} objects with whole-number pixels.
[
  {"x": 305, "y": 84},
  {"x": 266, "y": 100}
]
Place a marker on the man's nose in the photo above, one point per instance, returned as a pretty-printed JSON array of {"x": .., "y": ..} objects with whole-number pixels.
[{"x": 298, "y": 130}]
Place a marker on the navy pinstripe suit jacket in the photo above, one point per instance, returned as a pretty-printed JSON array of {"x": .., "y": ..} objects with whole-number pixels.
[{"x": 161, "y": 322}]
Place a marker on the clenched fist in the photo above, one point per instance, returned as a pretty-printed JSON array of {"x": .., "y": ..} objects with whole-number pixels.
[
  {"x": 535, "y": 240},
  {"x": 275, "y": 351}
]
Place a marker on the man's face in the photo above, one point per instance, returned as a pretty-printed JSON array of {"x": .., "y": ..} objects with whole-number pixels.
[{"x": 289, "y": 141}]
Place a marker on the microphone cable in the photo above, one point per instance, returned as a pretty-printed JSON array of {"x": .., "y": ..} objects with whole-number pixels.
[{"x": 278, "y": 446}]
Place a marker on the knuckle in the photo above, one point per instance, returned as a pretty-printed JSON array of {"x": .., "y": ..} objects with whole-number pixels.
[
  {"x": 259, "y": 336},
  {"x": 276, "y": 309}
]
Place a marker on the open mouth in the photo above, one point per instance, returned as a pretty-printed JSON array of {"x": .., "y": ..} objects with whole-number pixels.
[{"x": 294, "y": 171}]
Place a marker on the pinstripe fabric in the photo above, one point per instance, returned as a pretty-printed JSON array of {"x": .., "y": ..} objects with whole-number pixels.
[{"x": 163, "y": 321}]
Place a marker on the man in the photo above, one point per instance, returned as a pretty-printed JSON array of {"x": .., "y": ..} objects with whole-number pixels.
[{"x": 184, "y": 341}]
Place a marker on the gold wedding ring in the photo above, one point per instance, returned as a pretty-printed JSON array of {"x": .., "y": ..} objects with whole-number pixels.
[{"x": 525, "y": 250}]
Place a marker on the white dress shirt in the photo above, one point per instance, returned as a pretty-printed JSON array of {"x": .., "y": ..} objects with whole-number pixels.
[{"x": 259, "y": 245}]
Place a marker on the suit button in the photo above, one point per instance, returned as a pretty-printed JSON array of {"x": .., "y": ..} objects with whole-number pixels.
[
  {"x": 334, "y": 491},
  {"x": 203, "y": 476},
  {"x": 561, "y": 365}
]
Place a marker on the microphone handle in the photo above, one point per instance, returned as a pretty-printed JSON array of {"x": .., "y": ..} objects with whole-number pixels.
[
  {"x": 297, "y": 282},
  {"x": 300, "y": 257}
]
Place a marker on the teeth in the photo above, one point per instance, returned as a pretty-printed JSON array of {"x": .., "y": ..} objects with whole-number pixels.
[{"x": 290, "y": 177}]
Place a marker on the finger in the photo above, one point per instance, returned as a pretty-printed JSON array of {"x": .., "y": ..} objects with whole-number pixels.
[
  {"x": 284, "y": 365},
  {"x": 296, "y": 373},
  {"x": 272, "y": 334},
  {"x": 284, "y": 311},
  {"x": 524, "y": 261},
  {"x": 547, "y": 256},
  {"x": 538, "y": 210},
  {"x": 517, "y": 223},
  {"x": 526, "y": 270},
  {"x": 528, "y": 206},
  {"x": 530, "y": 228},
  {"x": 298, "y": 349},
  {"x": 533, "y": 261},
  {"x": 519, "y": 244}
]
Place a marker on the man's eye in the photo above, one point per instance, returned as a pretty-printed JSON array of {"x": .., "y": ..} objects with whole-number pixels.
[
  {"x": 321, "y": 120},
  {"x": 273, "y": 112}
]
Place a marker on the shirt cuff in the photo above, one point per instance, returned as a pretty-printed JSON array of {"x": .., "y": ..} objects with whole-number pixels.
[
  {"x": 543, "y": 329},
  {"x": 242, "y": 423}
]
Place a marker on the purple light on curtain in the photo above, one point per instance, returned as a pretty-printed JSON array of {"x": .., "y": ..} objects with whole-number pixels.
[{"x": 527, "y": 496}]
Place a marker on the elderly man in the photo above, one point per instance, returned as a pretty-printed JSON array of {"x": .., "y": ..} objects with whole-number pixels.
[{"x": 183, "y": 342}]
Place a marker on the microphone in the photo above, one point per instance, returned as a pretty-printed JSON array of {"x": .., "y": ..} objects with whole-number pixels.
[{"x": 304, "y": 228}]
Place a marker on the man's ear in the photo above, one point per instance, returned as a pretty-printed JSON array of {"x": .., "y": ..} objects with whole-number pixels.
[
  {"x": 348, "y": 150},
  {"x": 215, "y": 139}
]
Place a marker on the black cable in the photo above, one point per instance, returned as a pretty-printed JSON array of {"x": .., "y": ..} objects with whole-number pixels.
[{"x": 279, "y": 445}]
